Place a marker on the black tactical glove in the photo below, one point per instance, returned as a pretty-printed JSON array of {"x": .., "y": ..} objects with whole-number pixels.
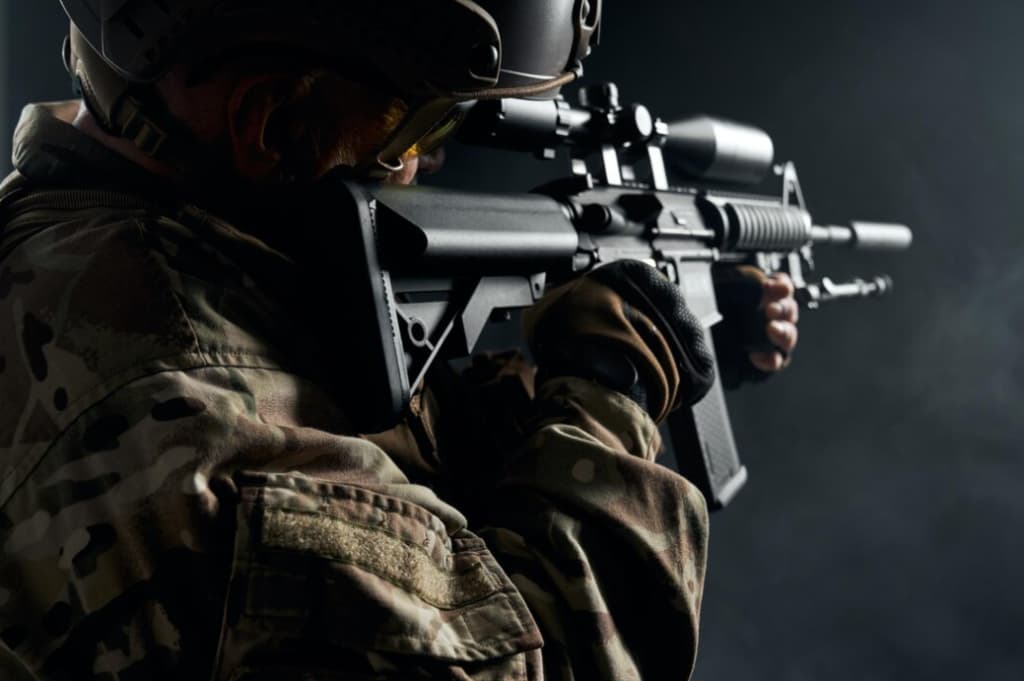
[
  {"x": 627, "y": 327},
  {"x": 746, "y": 298}
]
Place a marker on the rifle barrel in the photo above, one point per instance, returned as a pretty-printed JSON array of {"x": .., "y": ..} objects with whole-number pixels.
[{"x": 867, "y": 236}]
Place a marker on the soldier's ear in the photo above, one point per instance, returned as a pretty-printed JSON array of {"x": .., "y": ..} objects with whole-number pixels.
[{"x": 251, "y": 108}]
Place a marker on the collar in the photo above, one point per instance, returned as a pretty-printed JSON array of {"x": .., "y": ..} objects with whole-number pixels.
[{"x": 48, "y": 150}]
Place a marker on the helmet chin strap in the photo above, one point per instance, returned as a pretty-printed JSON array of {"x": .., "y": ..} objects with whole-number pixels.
[
  {"x": 135, "y": 113},
  {"x": 131, "y": 111}
]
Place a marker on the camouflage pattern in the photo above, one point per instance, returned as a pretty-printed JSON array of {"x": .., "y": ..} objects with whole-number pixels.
[{"x": 182, "y": 497}]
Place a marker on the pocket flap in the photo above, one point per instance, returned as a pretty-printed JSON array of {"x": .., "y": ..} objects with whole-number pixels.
[{"x": 328, "y": 565}]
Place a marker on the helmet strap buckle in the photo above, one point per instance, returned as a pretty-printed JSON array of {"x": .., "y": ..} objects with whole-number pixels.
[{"x": 148, "y": 136}]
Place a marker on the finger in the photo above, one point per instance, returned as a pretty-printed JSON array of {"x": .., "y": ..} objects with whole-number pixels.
[
  {"x": 778, "y": 287},
  {"x": 783, "y": 335},
  {"x": 768, "y": 362},
  {"x": 785, "y": 310}
]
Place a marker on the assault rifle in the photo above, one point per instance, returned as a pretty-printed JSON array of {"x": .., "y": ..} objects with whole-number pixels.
[{"x": 437, "y": 265}]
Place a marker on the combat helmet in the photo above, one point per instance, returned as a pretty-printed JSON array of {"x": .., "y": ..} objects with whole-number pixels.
[{"x": 433, "y": 54}]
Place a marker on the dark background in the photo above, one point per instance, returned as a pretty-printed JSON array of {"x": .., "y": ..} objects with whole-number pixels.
[{"x": 880, "y": 535}]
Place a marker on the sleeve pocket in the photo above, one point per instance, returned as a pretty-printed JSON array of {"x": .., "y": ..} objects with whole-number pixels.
[{"x": 343, "y": 582}]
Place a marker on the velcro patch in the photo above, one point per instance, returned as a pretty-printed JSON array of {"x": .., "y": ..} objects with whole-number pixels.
[{"x": 403, "y": 564}]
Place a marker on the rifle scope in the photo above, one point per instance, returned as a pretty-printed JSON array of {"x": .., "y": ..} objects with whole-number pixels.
[{"x": 699, "y": 148}]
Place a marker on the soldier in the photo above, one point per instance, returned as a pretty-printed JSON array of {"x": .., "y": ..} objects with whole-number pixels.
[{"x": 183, "y": 496}]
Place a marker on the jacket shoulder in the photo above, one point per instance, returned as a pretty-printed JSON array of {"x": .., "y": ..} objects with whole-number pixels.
[{"x": 93, "y": 298}]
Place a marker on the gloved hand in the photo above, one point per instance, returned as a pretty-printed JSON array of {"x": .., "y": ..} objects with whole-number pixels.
[
  {"x": 758, "y": 332},
  {"x": 627, "y": 327}
]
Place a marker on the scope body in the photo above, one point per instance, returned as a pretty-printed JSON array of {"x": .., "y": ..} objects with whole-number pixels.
[{"x": 698, "y": 148}]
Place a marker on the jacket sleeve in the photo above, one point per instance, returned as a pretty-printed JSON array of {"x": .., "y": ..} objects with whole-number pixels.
[{"x": 607, "y": 547}]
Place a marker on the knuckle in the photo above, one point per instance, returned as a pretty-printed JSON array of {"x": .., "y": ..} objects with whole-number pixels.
[
  {"x": 783, "y": 334},
  {"x": 785, "y": 310},
  {"x": 767, "y": 361}
]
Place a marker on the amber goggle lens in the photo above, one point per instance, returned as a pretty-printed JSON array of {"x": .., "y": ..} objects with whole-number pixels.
[{"x": 441, "y": 132}]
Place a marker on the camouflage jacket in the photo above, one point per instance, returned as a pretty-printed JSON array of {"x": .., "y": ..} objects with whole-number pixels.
[{"x": 182, "y": 497}]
